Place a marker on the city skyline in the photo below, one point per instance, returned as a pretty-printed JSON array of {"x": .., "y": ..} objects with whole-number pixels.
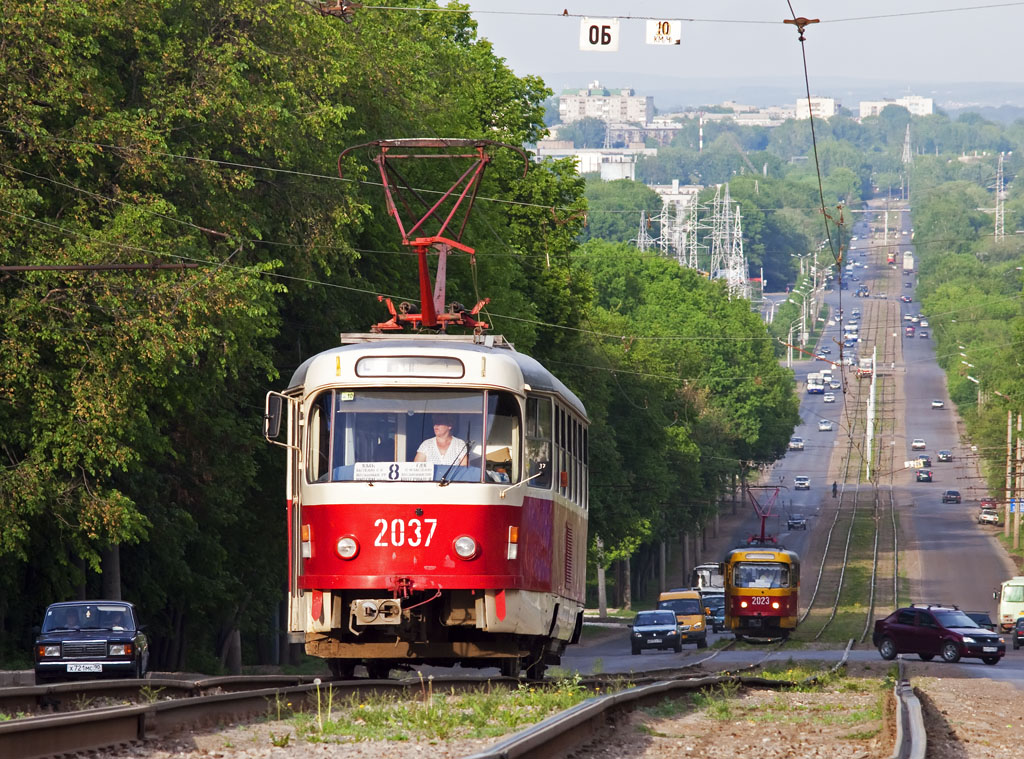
[{"x": 864, "y": 45}]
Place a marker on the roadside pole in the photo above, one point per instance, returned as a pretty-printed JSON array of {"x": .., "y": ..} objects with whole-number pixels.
[{"x": 870, "y": 433}]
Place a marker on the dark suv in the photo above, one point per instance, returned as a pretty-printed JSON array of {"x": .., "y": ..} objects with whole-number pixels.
[
  {"x": 930, "y": 630},
  {"x": 90, "y": 639},
  {"x": 1017, "y": 633}
]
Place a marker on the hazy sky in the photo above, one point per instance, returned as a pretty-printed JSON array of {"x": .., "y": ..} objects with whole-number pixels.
[{"x": 719, "y": 42}]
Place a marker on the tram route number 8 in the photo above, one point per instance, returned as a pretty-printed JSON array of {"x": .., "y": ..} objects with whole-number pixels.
[
  {"x": 404, "y": 532},
  {"x": 599, "y": 34}
]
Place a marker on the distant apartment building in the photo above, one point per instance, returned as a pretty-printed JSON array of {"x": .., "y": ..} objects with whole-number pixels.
[
  {"x": 612, "y": 106},
  {"x": 660, "y": 133},
  {"x": 819, "y": 107},
  {"x": 917, "y": 105},
  {"x": 742, "y": 115},
  {"x": 610, "y": 163}
]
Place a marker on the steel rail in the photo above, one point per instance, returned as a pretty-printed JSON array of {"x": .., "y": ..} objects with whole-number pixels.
[
  {"x": 883, "y": 329},
  {"x": 97, "y": 729},
  {"x": 572, "y": 729},
  {"x": 62, "y": 696}
]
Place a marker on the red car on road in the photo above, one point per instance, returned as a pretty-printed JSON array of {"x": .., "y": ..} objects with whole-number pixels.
[{"x": 931, "y": 630}]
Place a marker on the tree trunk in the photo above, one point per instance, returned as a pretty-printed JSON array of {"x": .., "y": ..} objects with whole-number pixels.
[
  {"x": 662, "y": 581},
  {"x": 627, "y": 589},
  {"x": 687, "y": 562},
  {"x": 231, "y": 656},
  {"x": 111, "y": 564}
]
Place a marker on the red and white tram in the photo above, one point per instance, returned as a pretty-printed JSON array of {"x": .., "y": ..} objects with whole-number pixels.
[{"x": 393, "y": 561}]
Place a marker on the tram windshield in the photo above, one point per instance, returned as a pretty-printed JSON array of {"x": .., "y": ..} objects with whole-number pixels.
[
  {"x": 759, "y": 574},
  {"x": 403, "y": 435}
]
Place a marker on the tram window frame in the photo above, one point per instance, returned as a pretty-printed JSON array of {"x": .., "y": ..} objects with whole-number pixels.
[
  {"x": 539, "y": 442},
  {"x": 586, "y": 467},
  {"x": 326, "y": 436},
  {"x": 319, "y": 421},
  {"x": 502, "y": 404}
]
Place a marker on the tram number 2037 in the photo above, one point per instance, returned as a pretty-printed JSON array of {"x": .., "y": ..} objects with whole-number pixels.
[{"x": 402, "y": 532}]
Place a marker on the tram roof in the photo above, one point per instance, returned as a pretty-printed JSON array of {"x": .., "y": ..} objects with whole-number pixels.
[{"x": 534, "y": 373}]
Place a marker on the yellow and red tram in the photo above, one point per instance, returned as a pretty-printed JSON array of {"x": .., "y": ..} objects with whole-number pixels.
[{"x": 761, "y": 591}]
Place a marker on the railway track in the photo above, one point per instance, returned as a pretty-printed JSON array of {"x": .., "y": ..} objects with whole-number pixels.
[
  {"x": 74, "y": 717},
  {"x": 866, "y": 509},
  {"x": 161, "y": 707}
]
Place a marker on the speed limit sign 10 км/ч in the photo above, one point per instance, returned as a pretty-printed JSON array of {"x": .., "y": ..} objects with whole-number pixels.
[{"x": 600, "y": 34}]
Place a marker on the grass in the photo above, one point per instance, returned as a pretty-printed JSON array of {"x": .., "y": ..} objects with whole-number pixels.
[
  {"x": 484, "y": 712},
  {"x": 851, "y": 613},
  {"x": 717, "y": 702}
]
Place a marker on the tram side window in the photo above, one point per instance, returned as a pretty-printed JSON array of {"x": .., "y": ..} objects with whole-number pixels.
[
  {"x": 563, "y": 459},
  {"x": 318, "y": 462},
  {"x": 502, "y": 454},
  {"x": 586, "y": 467},
  {"x": 538, "y": 441}
]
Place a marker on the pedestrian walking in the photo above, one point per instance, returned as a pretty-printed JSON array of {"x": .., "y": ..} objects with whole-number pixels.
[{"x": 835, "y": 489}]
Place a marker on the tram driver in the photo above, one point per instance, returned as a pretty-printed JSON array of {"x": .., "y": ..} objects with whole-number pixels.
[{"x": 443, "y": 448}]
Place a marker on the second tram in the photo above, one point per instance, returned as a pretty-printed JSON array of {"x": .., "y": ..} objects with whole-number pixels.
[{"x": 761, "y": 585}]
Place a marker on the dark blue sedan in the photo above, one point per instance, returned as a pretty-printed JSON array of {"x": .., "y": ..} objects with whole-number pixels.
[{"x": 90, "y": 640}]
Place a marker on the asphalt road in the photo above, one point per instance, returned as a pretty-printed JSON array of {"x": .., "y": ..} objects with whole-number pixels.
[{"x": 947, "y": 556}]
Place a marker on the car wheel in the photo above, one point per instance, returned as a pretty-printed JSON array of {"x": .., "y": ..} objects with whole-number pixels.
[
  {"x": 636, "y": 650},
  {"x": 887, "y": 649},
  {"x": 990, "y": 659},
  {"x": 926, "y": 657},
  {"x": 678, "y": 647},
  {"x": 703, "y": 643},
  {"x": 1016, "y": 643},
  {"x": 951, "y": 652}
]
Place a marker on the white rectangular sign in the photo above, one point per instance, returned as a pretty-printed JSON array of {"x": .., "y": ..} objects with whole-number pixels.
[
  {"x": 663, "y": 32},
  {"x": 383, "y": 471},
  {"x": 599, "y": 34}
]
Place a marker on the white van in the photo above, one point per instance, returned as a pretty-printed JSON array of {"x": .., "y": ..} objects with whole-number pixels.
[{"x": 1011, "y": 602}]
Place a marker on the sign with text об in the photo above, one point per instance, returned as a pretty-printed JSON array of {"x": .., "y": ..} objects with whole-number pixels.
[
  {"x": 663, "y": 32},
  {"x": 599, "y": 34}
]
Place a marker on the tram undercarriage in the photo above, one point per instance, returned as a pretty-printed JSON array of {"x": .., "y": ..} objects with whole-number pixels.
[{"x": 512, "y": 630}]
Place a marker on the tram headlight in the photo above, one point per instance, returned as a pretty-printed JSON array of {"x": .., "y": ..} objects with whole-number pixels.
[
  {"x": 743, "y": 604},
  {"x": 465, "y": 547},
  {"x": 775, "y": 604},
  {"x": 347, "y": 547}
]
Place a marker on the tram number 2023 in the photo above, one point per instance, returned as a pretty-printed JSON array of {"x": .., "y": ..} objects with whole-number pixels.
[
  {"x": 760, "y": 601},
  {"x": 404, "y": 532}
]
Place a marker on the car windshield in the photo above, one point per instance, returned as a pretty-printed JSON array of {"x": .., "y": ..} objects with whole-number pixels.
[
  {"x": 88, "y": 616},
  {"x": 681, "y": 605},
  {"x": 715, "y": 603},
  {"x": 760, "y": 575},
  {"x": 655, "y": 618},
  {"x": 954, "y": 619},
  {"x": 1013, "y": 594}
]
